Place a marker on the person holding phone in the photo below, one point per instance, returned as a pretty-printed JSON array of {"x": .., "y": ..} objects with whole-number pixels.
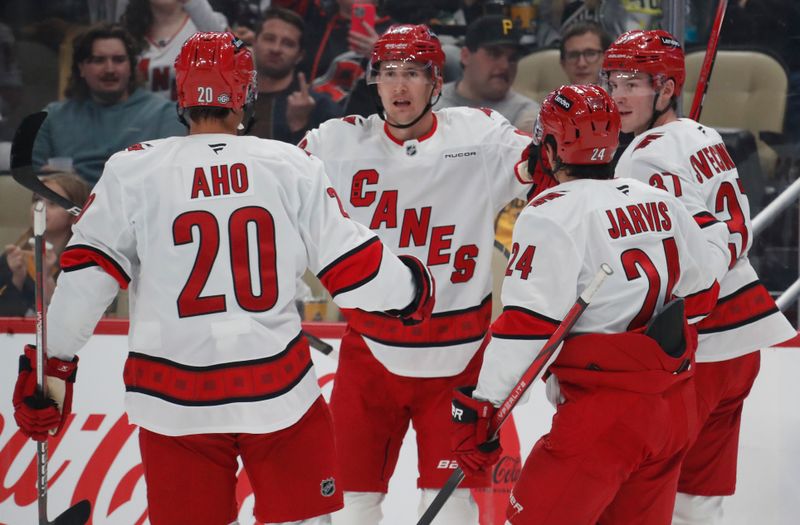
[{"x": 330, "y": 35}]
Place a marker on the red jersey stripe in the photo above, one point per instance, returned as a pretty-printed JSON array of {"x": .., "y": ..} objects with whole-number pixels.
[
  {"x": 519, "y": 323},
  {"x": 746, "y": 305},
  {"x": 81, "y": 256},
  {"x": 354, "y": 268},
  {"x": 243, "y": 381},
  {"x": 442, "y": 329}
]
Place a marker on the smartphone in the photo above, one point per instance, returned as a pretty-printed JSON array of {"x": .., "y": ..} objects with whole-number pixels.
[{"x": 362, "y": 15}]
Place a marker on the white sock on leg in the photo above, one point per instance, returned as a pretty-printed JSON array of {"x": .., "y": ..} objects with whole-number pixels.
[
  {"x": 460, "y": 508},
  {"x": 697, "y": 510},
  {"x": 360, "y": 508}
]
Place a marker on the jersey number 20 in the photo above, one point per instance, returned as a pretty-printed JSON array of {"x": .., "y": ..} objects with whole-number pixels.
[{"x": 190, "y": 303}]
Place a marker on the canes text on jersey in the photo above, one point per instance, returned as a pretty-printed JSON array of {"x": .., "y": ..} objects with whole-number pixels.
[
  {"x": 216, "y": 181},
  {"x": 638, "y": 218},
  {"x": 415, "y": 227}
]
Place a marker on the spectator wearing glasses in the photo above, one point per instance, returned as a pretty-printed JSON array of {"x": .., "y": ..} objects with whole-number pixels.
[
  {"x": 489, "y": 60},
  {"x": 582, "y": 46},
  {"x": 105, "y": 111}
]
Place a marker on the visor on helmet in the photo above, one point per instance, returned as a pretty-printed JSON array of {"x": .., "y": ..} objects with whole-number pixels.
[
  {"x": 626, "y": 83},
  {"x": 400, "y": 71}
]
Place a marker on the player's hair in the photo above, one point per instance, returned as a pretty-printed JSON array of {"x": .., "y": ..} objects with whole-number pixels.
[
  {"x": 82, "y": 50},
  {"x": 581, "y": 28},
  {"x": 584, "y": 171},
  {"x": 290, "y": 17},
  {"x": 198, "y": 113}
]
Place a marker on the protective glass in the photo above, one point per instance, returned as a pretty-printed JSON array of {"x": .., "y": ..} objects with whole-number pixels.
[{"x": 400, "y": 72}]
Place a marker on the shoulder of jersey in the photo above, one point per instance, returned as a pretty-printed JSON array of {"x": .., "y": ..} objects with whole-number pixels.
[
  {"x": 475, "y": 116},
  {"x": 141, "y": 149},
  {"x": 348, "y": 124}
]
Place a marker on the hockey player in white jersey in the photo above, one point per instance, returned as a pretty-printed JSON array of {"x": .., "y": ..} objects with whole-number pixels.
[
  {"x": 211, "y": 233},
  {"x": 625, "y": 401},
  {"x": 645, "y": 75},
  {"x": 430, "y": 184}
]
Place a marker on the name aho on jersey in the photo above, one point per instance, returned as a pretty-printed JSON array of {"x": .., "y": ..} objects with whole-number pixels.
[{"x": 223, "y": 180}]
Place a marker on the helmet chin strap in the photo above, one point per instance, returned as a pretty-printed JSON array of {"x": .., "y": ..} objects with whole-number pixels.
[
  {"x": 382, "y": 110},
  {"x": 656, "y": 113}
]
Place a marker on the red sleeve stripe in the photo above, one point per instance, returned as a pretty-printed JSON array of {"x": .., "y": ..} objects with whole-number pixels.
[
  {"x": 442, "y": 329},
  {"x": 520, "y": 323},
  {"x": 747, "y": 305},
  {"x": 79, "y": 256},
  {"x": 705, "y": 219},
  {"x": 353, "y": 269},
  {"x": 700, "y": 304},
  {"x": 239, "y": 382}
]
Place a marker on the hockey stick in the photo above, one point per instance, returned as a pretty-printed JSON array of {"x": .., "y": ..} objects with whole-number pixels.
[
  {"x": 22, "y": 172},
  {"x": 22, "y": 162},
  {"x": 21, "y": 168},
  {"x": 708, "y": 62},
  {"x": 535, "y": 371}
]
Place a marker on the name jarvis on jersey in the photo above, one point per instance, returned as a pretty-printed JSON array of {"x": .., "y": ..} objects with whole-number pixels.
[{"x": 638, "y": 218}]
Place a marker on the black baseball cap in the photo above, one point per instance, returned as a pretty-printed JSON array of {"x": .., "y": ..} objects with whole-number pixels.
[{"x": 492, "y": 30}]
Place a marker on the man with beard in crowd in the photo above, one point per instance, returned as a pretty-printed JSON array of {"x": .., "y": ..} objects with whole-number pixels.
[
  {"x": 105, "y": 111},
  {"x": 285, "y": 108}
]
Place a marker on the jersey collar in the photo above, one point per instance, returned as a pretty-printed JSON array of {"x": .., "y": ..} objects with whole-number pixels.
[{"x": 426, "y": 136}]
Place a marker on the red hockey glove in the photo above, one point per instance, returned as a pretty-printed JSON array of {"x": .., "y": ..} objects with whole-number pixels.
[
  {"x": 470, "y": 435},
  {"x": 421, "y": 307},
  {"x": 531, "y": 170},
  {"x": 36, "y": 415}
]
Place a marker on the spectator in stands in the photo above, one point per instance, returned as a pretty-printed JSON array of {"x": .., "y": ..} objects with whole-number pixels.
[
  {"x": 616, "y": 17},
  {"x": 489, "y": 60},
  {"x": 582, "y": 47},
  {"x": 160, "y": 27},
  {"x": 17, "y": 272},
  {"x": 286, "y": 107},
  {"x": 329, "y": 36},
  {"x": 104, "y": 111},
  {"x": 10, "y": 82}
]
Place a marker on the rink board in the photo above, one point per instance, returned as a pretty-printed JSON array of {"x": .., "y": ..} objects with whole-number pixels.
[{"x": 98, "y": 458}]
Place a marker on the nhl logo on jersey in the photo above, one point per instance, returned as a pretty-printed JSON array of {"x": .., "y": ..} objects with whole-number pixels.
[
  {"x": 328, "y": 487},
  {"x": 411, "y": 150},
  {"x": 224, "y": 98}
]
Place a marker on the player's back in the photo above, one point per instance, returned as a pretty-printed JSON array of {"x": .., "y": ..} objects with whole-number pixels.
[
  {"x": 690, "y": 161},
  {"x": 208, "y": 213},
  {"x": 644, "y": 234}
]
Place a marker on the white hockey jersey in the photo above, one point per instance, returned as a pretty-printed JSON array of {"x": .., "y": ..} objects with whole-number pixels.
[
  {"x": 212, "y": 232},
  {"x": 690, "y": 161},
  {"x": 157, "y": 63},
  {"x": 435, "y": 198},
  {"x": 561, "y": 239}
]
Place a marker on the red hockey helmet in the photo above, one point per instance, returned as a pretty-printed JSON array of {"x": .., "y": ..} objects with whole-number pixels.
[
  {"x": 215, "y": 69},
  {"x": 409, "y": 43},
  {"x": 656, "y": 52},
  {"x": 584, "y": 122}
]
